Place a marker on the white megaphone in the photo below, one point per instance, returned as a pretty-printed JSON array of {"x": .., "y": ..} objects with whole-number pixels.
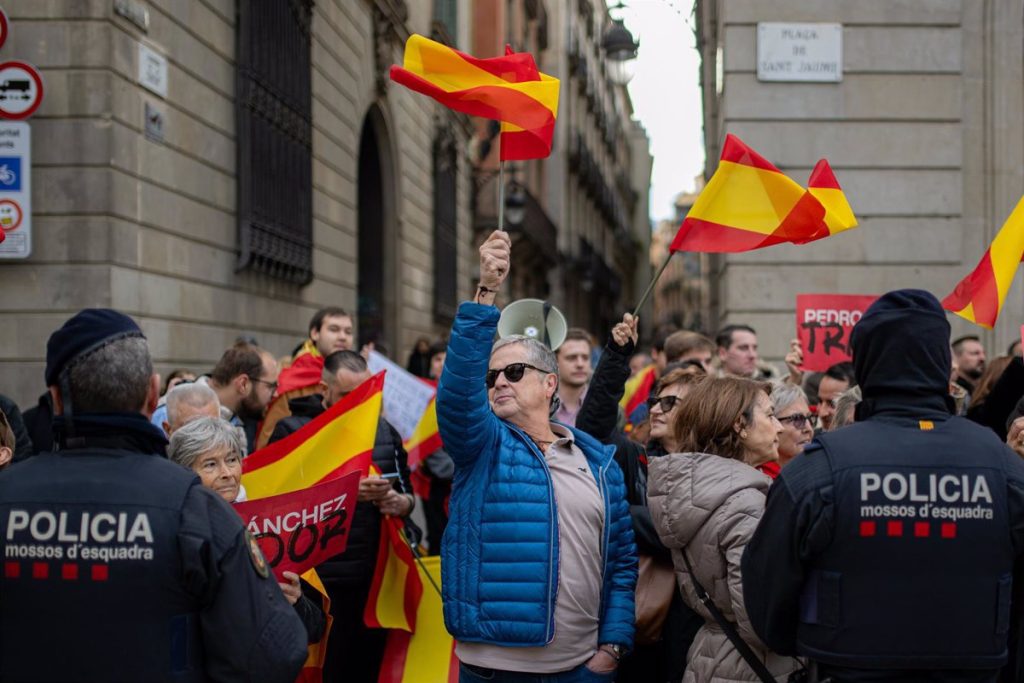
[{"x": 535, "y": 319}]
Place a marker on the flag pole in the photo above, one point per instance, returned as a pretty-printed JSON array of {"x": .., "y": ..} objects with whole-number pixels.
[
  {"x": 501, "y": 193},
  {"x": 650, "y": 287}
]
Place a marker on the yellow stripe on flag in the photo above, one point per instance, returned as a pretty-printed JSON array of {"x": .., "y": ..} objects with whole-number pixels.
[
  {"x": 347, "y": 436},
  {"x": 447, "y": 70},
  {"x": 633, "y": 384},
  {"x": 838, "y": 214},
  {"x": 1006, "y": 251},
  {"x": 745, "y": 197},
  {"x": 390, "y": 608},
  {"x": 430, "y": 648},
  {"x": 427, "y": 654},
  {"x": 425, "y": 428}
]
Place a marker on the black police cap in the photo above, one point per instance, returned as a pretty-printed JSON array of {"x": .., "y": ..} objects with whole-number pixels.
[{"x": 85, "y": 332}]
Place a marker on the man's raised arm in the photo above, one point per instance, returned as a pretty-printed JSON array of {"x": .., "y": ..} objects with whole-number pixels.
[{"x": 464, "y": 415}]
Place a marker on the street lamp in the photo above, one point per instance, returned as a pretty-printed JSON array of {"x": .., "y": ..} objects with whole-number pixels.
[{"x": 620, "y": 50}]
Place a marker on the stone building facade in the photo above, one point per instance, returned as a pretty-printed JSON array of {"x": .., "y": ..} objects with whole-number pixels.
[
  {"x": 153, "y": 227},
  {"x": 585, "y": 231},
  {"x": 924, "y": 132},
  {"x": 283, "y": 171},
  {"x": 681, "y": 297}
]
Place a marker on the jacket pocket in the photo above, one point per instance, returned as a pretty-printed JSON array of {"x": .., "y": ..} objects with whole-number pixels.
[
  {"x": 1003, "y": 590},
  {"x": 820, "y": 601}
]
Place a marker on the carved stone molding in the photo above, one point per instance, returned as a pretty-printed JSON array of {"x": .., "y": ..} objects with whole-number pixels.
[{"x": 389, "y": 17}]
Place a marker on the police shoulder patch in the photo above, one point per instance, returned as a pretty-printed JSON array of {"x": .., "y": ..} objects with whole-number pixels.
[{"x": 259, "y": 562}]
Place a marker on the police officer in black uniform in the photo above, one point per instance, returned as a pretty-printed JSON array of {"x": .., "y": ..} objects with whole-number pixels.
[
  {"x": 118, "y": 565},
  {"x": 887, "y": 550}
]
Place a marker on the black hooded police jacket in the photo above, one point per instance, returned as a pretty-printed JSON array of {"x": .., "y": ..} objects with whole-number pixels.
[{"x": 887, "y": 549}]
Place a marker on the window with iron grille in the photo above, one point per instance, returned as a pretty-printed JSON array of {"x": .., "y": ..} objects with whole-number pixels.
[
  {"x": 445, "y": 243},
  {"x": 273, "y": 113}
]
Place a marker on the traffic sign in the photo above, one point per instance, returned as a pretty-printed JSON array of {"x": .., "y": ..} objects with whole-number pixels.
[
  {"x": 16, "y": 189},
  {"x": 3, "y": 27},
  {"x": 10, "y": 215},
  {"x": 21, "y": 90}
]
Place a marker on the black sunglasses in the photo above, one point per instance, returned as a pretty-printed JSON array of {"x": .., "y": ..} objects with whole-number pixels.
[
  {"x": 798, "y": 420},
  {"x": 513, "y": 373},
  {"x": 667, "y": 402}
]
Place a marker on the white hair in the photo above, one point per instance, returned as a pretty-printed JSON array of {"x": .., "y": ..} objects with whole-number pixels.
[
  {"x": 202, "y": 436},
  {"x": 195, "y": 395},
  {"x": 845, "y": 404},
  {"x": 784, "y": 395},
  {"x": 536, "y": 353}
]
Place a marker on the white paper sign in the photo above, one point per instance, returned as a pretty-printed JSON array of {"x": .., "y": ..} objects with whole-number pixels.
[
  {"x": 15, "y": 189},
  {"x": 406, "y": 396},
  {"x": 800, "y": 52},
  {"x": 152, "y": 70}
]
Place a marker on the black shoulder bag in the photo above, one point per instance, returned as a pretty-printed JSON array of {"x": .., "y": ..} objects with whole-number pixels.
[{"x": 730, "y": 631}]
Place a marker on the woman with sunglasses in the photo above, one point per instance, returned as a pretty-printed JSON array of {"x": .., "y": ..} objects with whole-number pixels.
[
  {"x": 706, "y": 500},
  {"x": 664, "y": 660},
  {"x": 798, "y": 424}
]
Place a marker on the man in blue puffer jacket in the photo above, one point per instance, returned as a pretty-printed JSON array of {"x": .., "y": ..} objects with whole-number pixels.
[{"x": 538, "y": 560}]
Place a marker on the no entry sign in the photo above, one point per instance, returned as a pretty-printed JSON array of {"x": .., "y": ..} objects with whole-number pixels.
[{"x": 21, "y": 90}]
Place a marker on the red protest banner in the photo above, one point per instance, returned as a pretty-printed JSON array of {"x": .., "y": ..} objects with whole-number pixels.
[
  {"x": 823, "y": 325},
  {"x": 297, "y": 531}
]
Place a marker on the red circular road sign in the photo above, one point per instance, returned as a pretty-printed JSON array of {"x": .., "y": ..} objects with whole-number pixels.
[
  {"x": 10, "y": 215},
  {"x": 3, "y": 27},
  {"x": 21, "y": 90}
]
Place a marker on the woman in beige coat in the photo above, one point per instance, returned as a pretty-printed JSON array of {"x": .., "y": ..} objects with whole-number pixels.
[{"x": 706, "y": 501}]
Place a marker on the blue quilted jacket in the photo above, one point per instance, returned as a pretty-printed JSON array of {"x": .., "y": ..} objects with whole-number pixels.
[{"x": 500, "y": 549}]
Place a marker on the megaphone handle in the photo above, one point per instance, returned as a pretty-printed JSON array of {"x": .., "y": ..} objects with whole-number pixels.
[
  {"x": 547, "y": 337},
  {"x": 650, "y": 287}
]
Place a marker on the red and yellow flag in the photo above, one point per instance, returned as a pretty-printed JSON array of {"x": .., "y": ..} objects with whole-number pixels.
[
  {"x": 426, "y": 655},
  {"x": 825, "y": 188},
  {"x": 426, "y": 438},
  {"x": 749, "y": 204},
  {"x": 336, "y": 442},
  {"x": 316, "y": 653},
  {"x": 979, "y": 297},
  {"x": 638, "y": 389},
  {"x": 396, "y": 589},
  {"x": 509, "y": 89}
]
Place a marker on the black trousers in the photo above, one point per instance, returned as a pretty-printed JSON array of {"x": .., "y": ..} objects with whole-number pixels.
[{"x": 354, "y": 652}]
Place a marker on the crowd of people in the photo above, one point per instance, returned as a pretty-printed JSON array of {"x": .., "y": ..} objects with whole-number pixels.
[{"x": 865, "y": 523}]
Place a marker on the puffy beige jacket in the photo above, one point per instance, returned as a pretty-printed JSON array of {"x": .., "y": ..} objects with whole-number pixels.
[{"x": 710, "y": 506}]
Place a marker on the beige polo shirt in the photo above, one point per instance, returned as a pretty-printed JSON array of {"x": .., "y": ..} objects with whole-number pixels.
[{"x": 580, "y": 572}]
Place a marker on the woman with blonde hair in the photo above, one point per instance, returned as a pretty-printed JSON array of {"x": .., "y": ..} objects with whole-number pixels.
[{"x": 705, "y": 501}]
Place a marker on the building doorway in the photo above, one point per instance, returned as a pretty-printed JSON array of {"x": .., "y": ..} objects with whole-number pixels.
[{"x": 377, "y": 281}]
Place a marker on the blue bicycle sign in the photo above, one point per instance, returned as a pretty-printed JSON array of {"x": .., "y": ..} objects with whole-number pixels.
[{"x": 10, "y": 174}]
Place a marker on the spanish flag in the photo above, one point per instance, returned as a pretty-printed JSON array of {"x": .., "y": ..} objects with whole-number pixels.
[
  {"x": 825, "y": 188},
  {"x": 509, "y": 89},
  {"x": 638, "y": 389},
  {"x": 335, "y": 443},
  {"x": 426, "y": 438},
  {"x": 316, "y": 653},
  {"x": 749, "y": 204},
  {"x": 979, "y": 297},
  {"x": 426, "y": 655},
  {"x": 396, "y": 589}
]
